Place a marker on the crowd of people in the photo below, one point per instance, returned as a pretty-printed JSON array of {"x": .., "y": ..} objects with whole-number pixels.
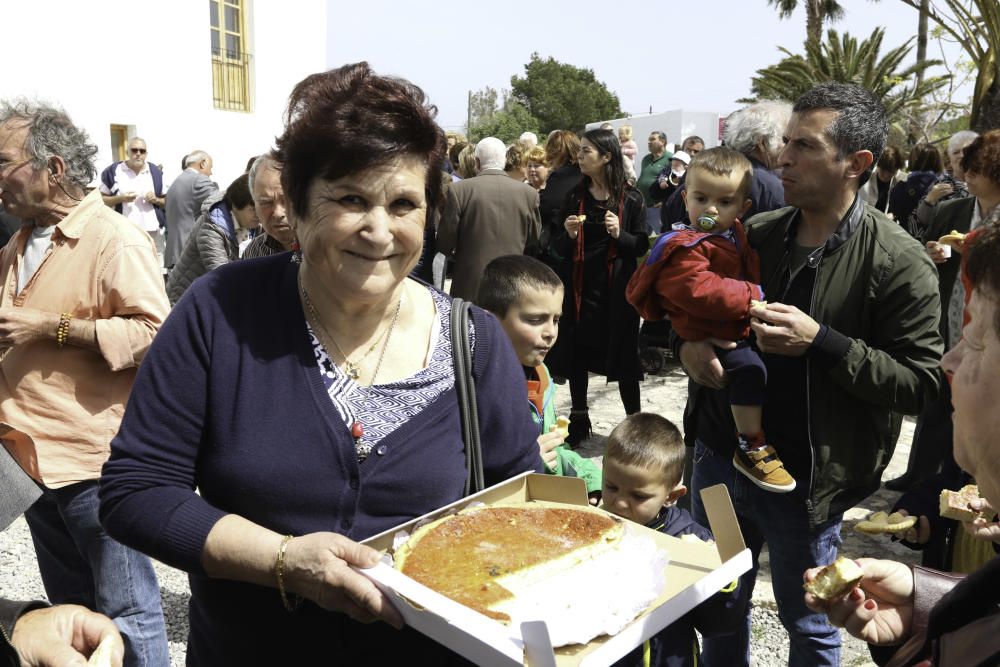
[{"x": 246, "y": 384}]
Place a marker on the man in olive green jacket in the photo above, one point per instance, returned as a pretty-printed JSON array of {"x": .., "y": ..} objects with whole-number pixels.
[{"x": 851, "y": 343}]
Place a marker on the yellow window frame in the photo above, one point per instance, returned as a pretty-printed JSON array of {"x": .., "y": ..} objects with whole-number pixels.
[{"x": 230, "y": 67}]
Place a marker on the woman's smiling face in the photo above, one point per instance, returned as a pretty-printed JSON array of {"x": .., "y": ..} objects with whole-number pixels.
[{"x": 364, "y": 232}]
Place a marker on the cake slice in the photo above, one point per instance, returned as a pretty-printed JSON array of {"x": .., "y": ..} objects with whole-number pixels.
[
  {"x": 835, "y": 579},
  {"x": 473, "y": 557},
  {"x": 955, "y": 504}
]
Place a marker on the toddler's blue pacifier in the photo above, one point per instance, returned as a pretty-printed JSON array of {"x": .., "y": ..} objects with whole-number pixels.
[{"x": 707, "y": 222}]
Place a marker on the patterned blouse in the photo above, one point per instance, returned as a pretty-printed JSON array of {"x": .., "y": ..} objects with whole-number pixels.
[{"x": 382, "y": 408}]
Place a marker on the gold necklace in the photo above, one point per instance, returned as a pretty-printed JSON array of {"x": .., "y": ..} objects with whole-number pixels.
[{"x": 351, "y": 368}]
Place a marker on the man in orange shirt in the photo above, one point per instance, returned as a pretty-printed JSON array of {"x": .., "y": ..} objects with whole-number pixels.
[{"x": 81, "y": 297}]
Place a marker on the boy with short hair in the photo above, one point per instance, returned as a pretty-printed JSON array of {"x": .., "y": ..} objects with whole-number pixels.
[
  {"x": 527, "y": 296},
  {"x": 705, "y": 278},
  {"x": 643, "y": 468}
]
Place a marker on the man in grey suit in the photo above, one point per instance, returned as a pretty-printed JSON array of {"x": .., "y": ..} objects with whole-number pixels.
[
  {"x": 184, "y": 200},
  {"x": 486, "y": 217}
]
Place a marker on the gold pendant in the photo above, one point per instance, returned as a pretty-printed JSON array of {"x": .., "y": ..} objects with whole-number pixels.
[{"x": 352, "y": 371}]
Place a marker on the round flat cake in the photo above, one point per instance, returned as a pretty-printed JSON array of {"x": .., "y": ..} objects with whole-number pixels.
[{"x": 473, "y": 557}]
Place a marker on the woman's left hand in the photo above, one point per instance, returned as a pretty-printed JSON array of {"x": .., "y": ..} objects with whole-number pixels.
[
  {"x": 982, "y": 529},
  {"x": 318, "y": 567},
  {"x": 612, "y": 224}
]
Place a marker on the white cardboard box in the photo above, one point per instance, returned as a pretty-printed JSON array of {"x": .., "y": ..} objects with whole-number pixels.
[{"x": 695, "y": 572}]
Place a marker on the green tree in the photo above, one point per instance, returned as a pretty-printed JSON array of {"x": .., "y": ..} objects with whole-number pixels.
[
  {"x": 975, "y": 25},
  {"x": 562, "y": 96},
  {"x": 845, "y": 59},
  {"x": 482, "y": 105},
  {"x": 507, "y": 124},
  {"x": 818, "y": 12}
]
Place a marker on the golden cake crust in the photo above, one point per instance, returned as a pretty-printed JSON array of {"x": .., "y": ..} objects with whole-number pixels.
[{"x": 465, "y": 556}]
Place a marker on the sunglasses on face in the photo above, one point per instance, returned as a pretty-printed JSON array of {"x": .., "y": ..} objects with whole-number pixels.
[{"x": 139, "y": 151}]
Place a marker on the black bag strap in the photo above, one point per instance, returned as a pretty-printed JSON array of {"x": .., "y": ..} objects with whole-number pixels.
[{"x": 465, "y": 386}]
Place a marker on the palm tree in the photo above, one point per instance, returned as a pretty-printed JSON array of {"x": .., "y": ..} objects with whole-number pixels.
[
  {"x": 818, "y": 12},
  {"x": 845, "y": 59},
  {"x": 975, "y": 25}
]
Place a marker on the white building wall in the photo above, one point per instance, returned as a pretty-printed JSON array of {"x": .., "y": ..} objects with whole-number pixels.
[{"x": 147, "y": 65}]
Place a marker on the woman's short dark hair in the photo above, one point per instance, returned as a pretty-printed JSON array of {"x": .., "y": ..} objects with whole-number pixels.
[
  {"x": 983, "y": 264},
  {"x": 891, "y": 159},
  {"x": 982, "y": 156},
  {"x": 606, "y": 143},
  {"x": 925, "y": 157},
  {"x": 349, "y": 119},
  {"x": 238, "y": 193}
]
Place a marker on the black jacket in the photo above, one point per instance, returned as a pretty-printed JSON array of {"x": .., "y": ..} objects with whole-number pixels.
[{"x": 834, "y": 414}]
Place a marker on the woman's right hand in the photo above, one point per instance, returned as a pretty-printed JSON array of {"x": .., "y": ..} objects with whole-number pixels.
[
  {"x": 936, "y": 252},
  {"x": 318, "y": 567},
  {"x": 878, "y": 611},
  {"x": 938, "y": 191},
  {"x": 572, "y": 225},
  {"x": 921, "y": 531},
  {"x": 547, "y": 443}
]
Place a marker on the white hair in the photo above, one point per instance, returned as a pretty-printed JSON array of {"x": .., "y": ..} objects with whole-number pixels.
[
  {"x": 491, "y": 153},
  {"x": 765, "y": 120},
  {"x": 195, "y": 157},
  {"x": 528, "y": 139},
  {"x": 263, "y": 161},
  {"x": 961, "y": 138}
]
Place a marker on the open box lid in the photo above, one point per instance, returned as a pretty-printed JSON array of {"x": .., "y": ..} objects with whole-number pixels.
[{"x": 695, "y": 572}]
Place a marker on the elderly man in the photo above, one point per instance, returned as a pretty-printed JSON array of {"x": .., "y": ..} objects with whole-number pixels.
[
  {"x": 187, "y": 193},
  {"x": 134, "y": 188},
  {"x": 80, "y": 301},
  {"x": 668, "y": 180},
  {"x": 61, "y": 635},
  {"x": 849, "y": 336},
  {"x": 754, "y": 131},
  {"x": 653, "y": 163},
  {"x": 269, "y": 201},
  {"x": 485, "y": 217}
]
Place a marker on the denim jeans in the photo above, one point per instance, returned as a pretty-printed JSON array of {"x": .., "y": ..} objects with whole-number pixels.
[
  {"x": 780, "y": 521},
  {"x": 81, "y": 564}
]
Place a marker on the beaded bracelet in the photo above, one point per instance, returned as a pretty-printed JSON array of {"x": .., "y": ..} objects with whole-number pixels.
[
  {"x": 62, "y": 331},
  {"x": 291, "y": 602}
]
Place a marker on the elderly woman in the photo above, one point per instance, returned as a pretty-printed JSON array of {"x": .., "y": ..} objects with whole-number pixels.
[
  {"x": 920, "y": 616},
  {"x": 312, "y": 403},
  {"x": 214, "y": 239},
  {"x": 537, "y": 167},
  {"x": 603, "y": 236}
]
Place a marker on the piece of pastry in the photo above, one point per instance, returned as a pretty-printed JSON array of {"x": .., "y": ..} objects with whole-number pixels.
[
  {"x": 562, "y": 426},
  {"x": 836, "y": 579},
  {"x": 954, "y": 238},
  {"x": 474, "y": 556},
  {"x": 880, "y": 523},
  {"x": 101, "y": 657},
  {"x": 581, "y": 218},
  {"x": 955, "y": 504}
]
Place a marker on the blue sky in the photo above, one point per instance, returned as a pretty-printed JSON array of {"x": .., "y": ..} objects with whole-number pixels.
[{"x": 661, "y": 54}]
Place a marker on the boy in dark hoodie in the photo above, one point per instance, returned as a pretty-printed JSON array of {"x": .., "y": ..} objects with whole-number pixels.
[{"x": 643, "y": 467}]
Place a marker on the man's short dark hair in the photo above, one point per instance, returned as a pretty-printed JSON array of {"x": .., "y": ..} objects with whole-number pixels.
[
  {"x": 661, "y": 135},
  {"x": 647, "y": 440},
  {"x": 861, "y": 123},
  {"x": 505, "y": 279},
  {"x": 238, "y": 193}
]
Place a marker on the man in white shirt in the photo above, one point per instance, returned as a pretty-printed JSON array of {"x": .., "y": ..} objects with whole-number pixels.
[{"x": 134, "y": 188}]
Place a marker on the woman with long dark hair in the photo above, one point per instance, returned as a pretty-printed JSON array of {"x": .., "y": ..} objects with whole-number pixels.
[{"x": 603, "y": 235}]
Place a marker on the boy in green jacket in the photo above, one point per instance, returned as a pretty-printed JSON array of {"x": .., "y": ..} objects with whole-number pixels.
[{"x": 527, "y": 296}]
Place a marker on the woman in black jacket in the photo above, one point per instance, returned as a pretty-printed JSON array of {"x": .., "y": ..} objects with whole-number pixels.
[{"x": 602, "y": 237}]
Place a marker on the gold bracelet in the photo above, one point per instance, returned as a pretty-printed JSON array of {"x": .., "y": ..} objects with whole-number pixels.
[
  {"x": 290, "y": 601},
  {"x": 62, "y": 331}
]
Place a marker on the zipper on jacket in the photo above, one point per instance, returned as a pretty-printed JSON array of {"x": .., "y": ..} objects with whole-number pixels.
[{"x": 812, "y": 451}]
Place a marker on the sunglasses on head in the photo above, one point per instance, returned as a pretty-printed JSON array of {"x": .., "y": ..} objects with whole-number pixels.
[{"x": 140, "y": 151}]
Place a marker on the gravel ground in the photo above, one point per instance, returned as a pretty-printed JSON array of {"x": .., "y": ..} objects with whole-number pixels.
[{"x": 665, "y": 394}]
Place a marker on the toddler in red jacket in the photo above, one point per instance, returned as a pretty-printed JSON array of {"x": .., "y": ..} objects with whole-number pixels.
[{"x": 704, "y": 277}]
